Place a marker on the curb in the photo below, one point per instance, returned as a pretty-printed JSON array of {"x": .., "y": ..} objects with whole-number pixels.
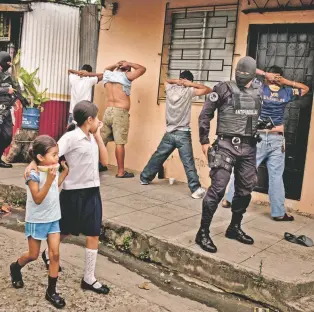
[{"x": 276, "y": 294}]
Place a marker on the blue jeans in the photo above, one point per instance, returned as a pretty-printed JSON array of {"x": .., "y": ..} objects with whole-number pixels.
[
  {"x": 270, "y": 149},
  {"x": 172, "y": 140}
]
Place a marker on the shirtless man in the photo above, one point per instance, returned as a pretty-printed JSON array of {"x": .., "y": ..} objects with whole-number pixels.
[{"x": 117, "y": 81}]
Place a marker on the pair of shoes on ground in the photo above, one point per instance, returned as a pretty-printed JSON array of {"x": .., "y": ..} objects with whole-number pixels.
[
  {"x": 17, "y": 282},
  {"x": 226, "y": 204},
  {"x": 233, "y": 232}
]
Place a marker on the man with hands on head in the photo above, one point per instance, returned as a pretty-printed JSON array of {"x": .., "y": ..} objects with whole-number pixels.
[
  {"x": 179, "y": 96},
  {"x": 117, "y": 82}
]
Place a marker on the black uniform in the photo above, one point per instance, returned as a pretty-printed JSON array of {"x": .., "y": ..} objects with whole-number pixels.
[
  {"x": 6, "y": 102},
  {"x": 238, "y": 110}
]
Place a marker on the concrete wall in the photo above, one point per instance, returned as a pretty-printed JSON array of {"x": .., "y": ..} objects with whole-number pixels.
[{"x": 135, "y": 34}]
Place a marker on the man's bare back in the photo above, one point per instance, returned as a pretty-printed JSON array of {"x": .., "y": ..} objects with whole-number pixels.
[
  {"x": 116, "y": 97},
  {"x": 117, "y": 80}
]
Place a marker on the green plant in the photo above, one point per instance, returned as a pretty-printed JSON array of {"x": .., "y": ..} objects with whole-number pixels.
[
  {"x": 29, "y": 83},
  {"x": 126, "y": 243},
  {"x": 145, "y": 256}
]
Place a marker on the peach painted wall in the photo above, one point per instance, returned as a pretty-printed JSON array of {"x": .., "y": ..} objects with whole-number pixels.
[
  {"x": 135, "y": 34},
  {"x": 306, "y": 204}
]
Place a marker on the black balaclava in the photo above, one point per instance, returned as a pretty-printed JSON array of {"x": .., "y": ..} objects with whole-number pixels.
[
  {"x": 245, "y": 71},
  {"x": 4, "y": 59}
]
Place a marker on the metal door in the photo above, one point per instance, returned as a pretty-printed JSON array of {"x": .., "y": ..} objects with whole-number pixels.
[{"x": 290, "y": 46}]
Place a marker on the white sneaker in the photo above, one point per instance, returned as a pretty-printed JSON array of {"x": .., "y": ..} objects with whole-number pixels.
[
  {"x": 199, "y": 193},
  {"x": 144, "y": 182}
]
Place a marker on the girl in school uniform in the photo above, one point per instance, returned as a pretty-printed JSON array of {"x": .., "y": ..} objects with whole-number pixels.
[
  {"x": 43, "y": 214},
  {"x": 81, "y": 206}
]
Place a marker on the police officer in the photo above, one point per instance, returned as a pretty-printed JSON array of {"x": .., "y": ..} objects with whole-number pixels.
[
  {"x": 238, "y": 104},
  {"x": 6, "y": 103}
]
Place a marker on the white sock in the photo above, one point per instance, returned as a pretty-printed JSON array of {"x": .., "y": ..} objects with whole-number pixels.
[{"x": 90, "y": 264}]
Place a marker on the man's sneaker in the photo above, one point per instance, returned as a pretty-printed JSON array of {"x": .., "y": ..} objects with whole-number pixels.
[
  {"x": 199, "y": 193},
  {"x": 144, "y": 182}
]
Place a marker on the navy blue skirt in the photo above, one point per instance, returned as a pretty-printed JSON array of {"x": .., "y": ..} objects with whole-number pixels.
[{"x": 81, "y": 212}]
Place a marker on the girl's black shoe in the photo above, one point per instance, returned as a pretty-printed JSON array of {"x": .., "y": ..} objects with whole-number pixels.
[
  {"x": 104, "y": 289},
  {"x": 43, "y": 255},
  {"x": 55, "y": 300},
  {"x": 16, "y": 276}
]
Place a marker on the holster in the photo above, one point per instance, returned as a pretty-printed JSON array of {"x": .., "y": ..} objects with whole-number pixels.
[
  {"x": 4, "y": 113},
  {"x": 216, "y": 159}
]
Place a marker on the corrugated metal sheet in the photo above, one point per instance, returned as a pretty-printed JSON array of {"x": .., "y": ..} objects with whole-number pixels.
[
  {"x": 89, "y": 35},
  {"x": 50, "y": 41},
  {"x": 53, "y": 120}
]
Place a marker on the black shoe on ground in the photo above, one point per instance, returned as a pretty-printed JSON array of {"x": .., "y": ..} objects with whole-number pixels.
[
  {"x": 104, "y": 289},
  {"x": 284, "y": 218},
  {"x": 5, "y": 165},
  {"x": 16, "y": 276},
  {"x": 55, "y": 300},
  {"x": 46, "y": 261},
  {"x": 235, "y": 232},
  {"x": 102, "y": 168},
  {"x": 204, "y": 241}
]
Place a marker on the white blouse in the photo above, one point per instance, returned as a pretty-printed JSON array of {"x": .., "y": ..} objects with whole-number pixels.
[{"x": 82, "y": 156}]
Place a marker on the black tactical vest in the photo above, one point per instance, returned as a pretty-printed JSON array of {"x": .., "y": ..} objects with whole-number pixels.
[
  {"x": 240, "y": 115},
  {"x": 5, "y": 82}
]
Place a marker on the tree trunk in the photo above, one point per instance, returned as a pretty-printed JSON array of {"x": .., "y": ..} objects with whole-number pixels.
[{"x": 20, "y": 146}]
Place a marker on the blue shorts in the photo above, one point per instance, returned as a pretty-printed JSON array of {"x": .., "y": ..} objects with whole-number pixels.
[{"x": 40, "y": 231}]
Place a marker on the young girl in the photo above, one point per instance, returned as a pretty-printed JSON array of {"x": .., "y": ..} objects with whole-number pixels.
[
  {"x": 81, "y": 206},
  {"x": 43, "y": 214}
]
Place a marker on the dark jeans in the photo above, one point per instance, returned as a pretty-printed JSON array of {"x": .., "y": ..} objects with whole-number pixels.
[
  {"x": 244, "y": 160},
  {"x": 183, "y": 142},
  {"x": 6, "y": 129}
]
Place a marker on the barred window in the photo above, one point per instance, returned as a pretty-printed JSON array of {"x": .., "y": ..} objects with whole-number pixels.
[
  {"x": 200, "y": 40},
  {"x": 5, "y": 27}
]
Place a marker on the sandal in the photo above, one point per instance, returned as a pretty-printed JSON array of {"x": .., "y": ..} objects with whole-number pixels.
[
  {"x": 16, "y": 277},
  {"x": 301, "y": 240},
  {"x": 284, "y": 218},
  {"x": 126, "y": 175},
  {"x": 226, "y": 204}
]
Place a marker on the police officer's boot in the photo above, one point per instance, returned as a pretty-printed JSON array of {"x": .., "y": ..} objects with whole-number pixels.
[
  {"x": 234, "y": 230},
  {"x": 204, "y": 241},
  {"x": 4, "y": 165}
]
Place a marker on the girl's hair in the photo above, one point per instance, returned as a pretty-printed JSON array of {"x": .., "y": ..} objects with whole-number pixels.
[
  {"x": 41, "y": 146},
  {"x": 81, "y": 112}
]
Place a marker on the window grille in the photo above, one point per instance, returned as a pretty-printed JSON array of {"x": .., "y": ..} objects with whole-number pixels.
[{"x": 199, "y": 39}]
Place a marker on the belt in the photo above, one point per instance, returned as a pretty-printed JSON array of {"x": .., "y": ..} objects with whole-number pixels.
[
  {"x": 272, "y": 132},
  {"x": 236, "y": 140}
]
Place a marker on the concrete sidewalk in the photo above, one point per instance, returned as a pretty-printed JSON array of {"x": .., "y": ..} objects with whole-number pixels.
[{"x": 163, "y": 219}]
